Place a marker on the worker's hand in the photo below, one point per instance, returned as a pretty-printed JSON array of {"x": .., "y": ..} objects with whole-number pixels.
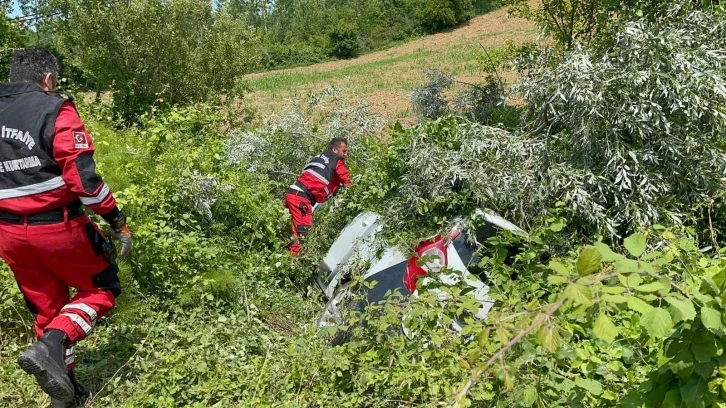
[{"x": 121, "y": 232}]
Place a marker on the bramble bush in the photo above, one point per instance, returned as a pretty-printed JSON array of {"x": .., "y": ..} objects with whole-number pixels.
[{"x": 216, "y": 312}]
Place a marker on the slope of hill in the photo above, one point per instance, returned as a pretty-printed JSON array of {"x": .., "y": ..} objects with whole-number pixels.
[{"x": 385, "y": 78}]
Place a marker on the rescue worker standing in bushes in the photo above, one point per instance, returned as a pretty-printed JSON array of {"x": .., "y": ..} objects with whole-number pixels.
[
  {"x": 47, "y": 176},
  {"x": 321, "y": 178}
]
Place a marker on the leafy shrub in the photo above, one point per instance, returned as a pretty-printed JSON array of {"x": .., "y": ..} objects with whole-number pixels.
[
  {"x": 174, "y": 52},
  {"x": 344, "y": 41},
  {"x": 286, "y": 142},
  {"x": 429, "y": 100},
  {"x": 11, "y": 37},
  {"x": 643, "y": 122},
  {"x": 293, "y": 54},
  {"x": 484, "y": 102},
  {"x": 435, "y": 15},
  {"x": 585, "y": 22}
]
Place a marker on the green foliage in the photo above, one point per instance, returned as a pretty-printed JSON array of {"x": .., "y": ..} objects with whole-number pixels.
[
  {"x": 436, "y": 15},
  {"x": 158, "y": 52},
  {"x": 12, "y": 35},
  {"x": 303, "y": 32},
  {"x": 344, "y": 41},
  {"x": 216, "y": 313},
  {"x": 484, "y": 102},
  {"x": 651, "y": 305},
  {"x": 583, "y": 22},
  {"x": 638, "y": 125},
  {"x": 287, "y": 141}
]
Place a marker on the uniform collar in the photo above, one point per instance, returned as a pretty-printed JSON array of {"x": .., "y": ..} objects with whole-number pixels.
[
  {"x": 331, "y": 153},
  {"x": 17, "y": 88}
]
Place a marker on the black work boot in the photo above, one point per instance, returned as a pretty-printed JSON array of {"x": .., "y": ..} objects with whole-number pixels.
[
  {"x": 79, "y": 398},
  {"x": 46, "y": 361}
]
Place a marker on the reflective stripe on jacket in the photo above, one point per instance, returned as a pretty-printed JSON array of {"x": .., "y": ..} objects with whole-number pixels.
[
  {"x": 46, "y": 154},
  {"x": 323, "y": 175}
]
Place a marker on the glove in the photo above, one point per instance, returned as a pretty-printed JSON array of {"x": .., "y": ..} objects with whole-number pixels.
[{"x": 120, "y": 232}]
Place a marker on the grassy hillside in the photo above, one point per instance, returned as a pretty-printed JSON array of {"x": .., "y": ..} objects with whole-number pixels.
[{"x": 385, "y": 78}]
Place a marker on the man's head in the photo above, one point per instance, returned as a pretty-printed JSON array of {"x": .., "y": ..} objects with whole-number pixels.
[
  {"x": 339, "y": 146},
  {"x": 35, "y": 65}
]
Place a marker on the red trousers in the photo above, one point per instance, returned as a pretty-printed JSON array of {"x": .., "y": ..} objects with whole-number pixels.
[
  {"x": 48, "y": 259},
  {"x": 301, "y": 210}
]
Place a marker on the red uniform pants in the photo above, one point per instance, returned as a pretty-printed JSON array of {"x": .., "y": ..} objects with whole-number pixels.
[
  {"x": 301, "y": 210},
  {"x": 48, "y": 259}
]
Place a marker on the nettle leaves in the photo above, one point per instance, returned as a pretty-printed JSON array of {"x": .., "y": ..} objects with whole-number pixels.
[
  {"x": 611, "y": 283},
  {"x": 670, "y": 301}
]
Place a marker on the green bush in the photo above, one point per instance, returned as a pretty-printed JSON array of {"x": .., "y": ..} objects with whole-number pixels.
[
  {"x": 158, "y": 52},
  {"x": 435, "y": 15},
  {"x": 11, "y": 37},
  {"x": 344, "y": 41}
]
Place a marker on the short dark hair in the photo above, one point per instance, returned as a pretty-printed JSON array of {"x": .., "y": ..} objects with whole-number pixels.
[
  {"x": 336, "y": 142},
  {"x": 32, "y": 65}
]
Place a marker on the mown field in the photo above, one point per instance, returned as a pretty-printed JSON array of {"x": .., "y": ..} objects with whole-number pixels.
[{"x": 386, "y": 78}]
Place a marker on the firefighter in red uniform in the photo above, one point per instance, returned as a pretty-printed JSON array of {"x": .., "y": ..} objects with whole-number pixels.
[
  {"x": 47, "y": 176},
  {"x": 321, "y": 179}
]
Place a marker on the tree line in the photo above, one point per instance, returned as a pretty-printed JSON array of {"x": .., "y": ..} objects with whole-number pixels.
[{"x": 183, "y": 51}]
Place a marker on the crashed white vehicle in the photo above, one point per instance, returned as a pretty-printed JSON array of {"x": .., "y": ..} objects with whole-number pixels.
[{"x": 395, "y": 271}]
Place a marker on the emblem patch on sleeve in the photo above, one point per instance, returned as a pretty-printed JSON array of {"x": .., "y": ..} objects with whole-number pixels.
[{"x": 80, "y": 140}]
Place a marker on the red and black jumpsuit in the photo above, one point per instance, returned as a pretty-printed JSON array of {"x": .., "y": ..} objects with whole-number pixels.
[
  {"x": 320, "y": 180},
  {"x": 47, "y": 174}
]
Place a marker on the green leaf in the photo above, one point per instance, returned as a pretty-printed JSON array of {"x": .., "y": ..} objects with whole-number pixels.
[
  {"x": 638, "y": 305},
  {"x": 508, "y": 381},
  {"x": 634, "y": 280},
  {"x": 607, "y": 254},
  {"x": 556, "y": 279},
  {"x": 703, "y": 352},
  {"x": 687, "y": 245},
  {"x": 657, "y": 322},
  {"x": 635, "y": 244},
  {"x": 672, "y": 399},
  {"x": 705, "y": 370},
  {"x": 693, "y": 393},
  {"x": 626, "y": 266},
  {"x": 652, "y": 255},
  {"x": 682, "y": 364},
  {"x": 650, "y": 287},
  {"x": 681, "y": 309},
  {"x": 559, "y": 268},
  {"x": 589, "y": 262},
  {"x": 579, "y": 294},
  {"x": 613, "y": 290},
  {"x": 605, "y": 329},
  {"x": 529, "y": 396},
  {"x": 549, "y": 338},
  {"x": 591, "y": 386},
  {"x": 711, "y": 319},
  {"x": 614, "y": 298}
]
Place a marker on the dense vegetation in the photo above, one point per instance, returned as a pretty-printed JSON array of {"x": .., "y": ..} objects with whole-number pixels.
[
  {"x": 613, "y": 162},
  {"x": 308, "y": 31},
  {"x": 187, "y": 51}
]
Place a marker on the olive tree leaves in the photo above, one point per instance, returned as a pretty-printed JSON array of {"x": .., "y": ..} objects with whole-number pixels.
[{"x": 641, "y": 298}]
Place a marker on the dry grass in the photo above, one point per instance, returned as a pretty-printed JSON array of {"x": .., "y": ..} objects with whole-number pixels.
[{"x": 386, "y": 78}]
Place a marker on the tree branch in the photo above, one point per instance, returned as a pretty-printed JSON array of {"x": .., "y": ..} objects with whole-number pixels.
[
  {"x": 500, "y": 354},
  {"x": 496, "y": 71}
]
